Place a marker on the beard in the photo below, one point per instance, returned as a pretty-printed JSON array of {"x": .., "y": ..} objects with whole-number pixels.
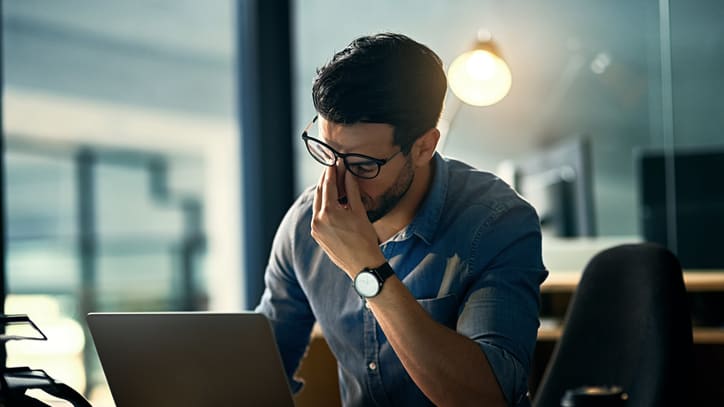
[{"x": 392, "y": 196}]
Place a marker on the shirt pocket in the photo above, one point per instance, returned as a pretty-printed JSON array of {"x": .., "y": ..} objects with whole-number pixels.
[{"x": 442, "y": 309}]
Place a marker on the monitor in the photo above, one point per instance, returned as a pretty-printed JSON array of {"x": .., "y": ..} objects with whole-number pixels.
[
  {"x": 681, "y": 203},
  {"x": 557, "y": 181}
]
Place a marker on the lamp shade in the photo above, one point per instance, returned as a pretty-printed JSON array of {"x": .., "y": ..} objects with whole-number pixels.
[{"x": 480, "y": 77}]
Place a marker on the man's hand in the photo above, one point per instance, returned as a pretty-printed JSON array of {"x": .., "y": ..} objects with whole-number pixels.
[{"x": 343, "y": 230}]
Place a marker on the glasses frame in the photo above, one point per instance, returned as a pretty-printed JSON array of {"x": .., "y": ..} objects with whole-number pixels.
[{"x": 337, "y": 155}]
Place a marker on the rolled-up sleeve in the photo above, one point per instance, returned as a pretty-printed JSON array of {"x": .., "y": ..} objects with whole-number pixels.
[{"x": 500, "y": 311}]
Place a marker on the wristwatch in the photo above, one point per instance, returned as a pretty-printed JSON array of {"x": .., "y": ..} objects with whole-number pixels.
[{"x": 368, "y": 282}]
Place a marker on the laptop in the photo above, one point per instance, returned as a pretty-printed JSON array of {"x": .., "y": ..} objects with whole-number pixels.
[{"x": 190, "y": 359}]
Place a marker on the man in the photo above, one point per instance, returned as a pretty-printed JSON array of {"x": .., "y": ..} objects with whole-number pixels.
[{"x": 423, "y": 273}]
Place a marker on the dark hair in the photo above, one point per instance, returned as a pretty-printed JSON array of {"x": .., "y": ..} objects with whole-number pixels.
[{"x": 383, "y": 78}]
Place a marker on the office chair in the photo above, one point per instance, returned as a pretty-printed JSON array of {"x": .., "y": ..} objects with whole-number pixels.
[{"x": 628, "y": 324}]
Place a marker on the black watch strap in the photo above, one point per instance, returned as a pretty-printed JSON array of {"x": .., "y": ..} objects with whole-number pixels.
[{"x": 383, "y": 272}]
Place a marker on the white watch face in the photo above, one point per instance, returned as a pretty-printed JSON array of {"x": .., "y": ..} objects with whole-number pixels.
[{"x": 366, "y": 284}]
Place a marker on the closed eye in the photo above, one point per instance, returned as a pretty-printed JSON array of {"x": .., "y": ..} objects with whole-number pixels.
[{"x": 363, "y": 168}]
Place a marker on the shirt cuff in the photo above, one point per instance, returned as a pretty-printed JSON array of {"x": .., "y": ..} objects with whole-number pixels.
[{"x": 512, "y": 377}]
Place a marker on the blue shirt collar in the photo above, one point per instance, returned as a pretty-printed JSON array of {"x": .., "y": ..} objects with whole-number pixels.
[{"x": 425, "y": 222}]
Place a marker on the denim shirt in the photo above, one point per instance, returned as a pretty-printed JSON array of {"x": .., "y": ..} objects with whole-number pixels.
[{"x": 471, "y": 257}]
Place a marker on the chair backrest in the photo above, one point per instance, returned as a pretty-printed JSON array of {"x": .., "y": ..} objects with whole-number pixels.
[{"x": 628, "y": 324}]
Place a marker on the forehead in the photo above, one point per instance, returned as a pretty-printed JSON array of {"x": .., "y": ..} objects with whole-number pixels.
[{"x": 357, "y": 136}]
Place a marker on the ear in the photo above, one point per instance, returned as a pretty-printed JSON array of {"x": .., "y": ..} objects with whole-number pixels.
[{"x": 424, "y": 147}]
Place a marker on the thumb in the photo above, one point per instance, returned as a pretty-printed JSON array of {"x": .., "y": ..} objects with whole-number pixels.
[{"x": 354, "y": 199}]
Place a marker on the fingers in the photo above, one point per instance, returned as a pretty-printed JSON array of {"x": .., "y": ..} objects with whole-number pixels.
[
  {"x": 318, "y": 195},
  {"x": 354, "y": 199},
  {"x": 329, "y": 187}
]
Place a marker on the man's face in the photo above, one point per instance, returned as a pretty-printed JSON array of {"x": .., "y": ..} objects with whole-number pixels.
[{"x": 382, "y": 193}]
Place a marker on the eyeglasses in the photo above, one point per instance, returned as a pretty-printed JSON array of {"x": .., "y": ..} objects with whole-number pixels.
[{"x": 359, "y": 165}]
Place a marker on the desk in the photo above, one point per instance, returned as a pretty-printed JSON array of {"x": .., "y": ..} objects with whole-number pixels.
[
  {"x": 318, "y": 369},
  {"x": 696, "y": 281}
]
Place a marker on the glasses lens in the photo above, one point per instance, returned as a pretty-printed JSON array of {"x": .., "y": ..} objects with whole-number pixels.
[
  {"x": 320, "y": 152},
  {"x": 362, "y": 167}
]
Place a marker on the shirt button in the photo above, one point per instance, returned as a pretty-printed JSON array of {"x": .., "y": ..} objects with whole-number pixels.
[
  {"x": 372, "y": 366},
  {"x": 367, "y": 305}
]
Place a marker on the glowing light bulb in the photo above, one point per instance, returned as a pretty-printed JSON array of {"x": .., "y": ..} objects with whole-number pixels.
[
  {"x": 479, "y": 78},
  {"x": 480, "y": 66}
]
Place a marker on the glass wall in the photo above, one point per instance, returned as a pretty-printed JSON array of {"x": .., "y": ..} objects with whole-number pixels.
[
  {"x": 591, "y": 71},
  {"x": 122, "y": 170}
]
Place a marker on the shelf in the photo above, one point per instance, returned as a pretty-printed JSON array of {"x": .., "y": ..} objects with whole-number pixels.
[
  {"x": 709, "y": 335},
  {"x": 695, "y": 280},
  {"x": 702, "y": 335},
  {"x": 549, "y": 334}
]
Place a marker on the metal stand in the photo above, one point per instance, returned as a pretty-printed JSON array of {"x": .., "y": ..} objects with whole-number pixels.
[{"x": 15, "y": 381}]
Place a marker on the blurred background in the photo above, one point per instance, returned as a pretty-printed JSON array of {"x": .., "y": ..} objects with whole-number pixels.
[{"x": 131, "y": 131}]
